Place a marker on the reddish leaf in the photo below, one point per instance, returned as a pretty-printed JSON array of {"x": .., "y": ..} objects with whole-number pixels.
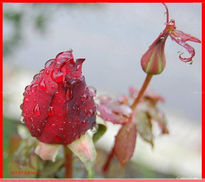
[
  {"x": 125, "y": 142},
  {"x": 114, "y": 111}
]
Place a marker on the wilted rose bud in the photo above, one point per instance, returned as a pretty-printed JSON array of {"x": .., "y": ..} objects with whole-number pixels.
[
  {"x": 58, "y": 107},
  {"x": 153, "y": 61}
]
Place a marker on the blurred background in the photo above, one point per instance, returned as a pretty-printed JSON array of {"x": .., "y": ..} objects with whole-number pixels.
[{"x": 112, "y": 38}]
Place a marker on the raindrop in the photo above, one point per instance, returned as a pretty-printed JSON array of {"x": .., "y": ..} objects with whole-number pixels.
[
  {"x": 84, "y": 122},
  {"x": 42, "y": 84},
  {"x": 60, "y": 129},
  {"x": 21, "y": 106},
  {"x": 51, "y": 111},
  {"x": 49, "y": 63},
  {"x": 58, "y": 138},
  {"x": 92, "y": 91},
  {"x": 90, "y": 112},
  {"x": 36, "y": 110},
  {"x": 36, "y": 76},
  {"x": 69, "y": 94},
  {"x": 27, "y": 88},
  {"x": 53, "y": 125},
  {"x": 83, "y": 97},
  {"x": 58, "y": 76},
  {"x": 52, "y": 86},
  {"x": 47, "y": 72},
  {"x": 26, "y": 99},
  {"x": 39, "y": 130}
]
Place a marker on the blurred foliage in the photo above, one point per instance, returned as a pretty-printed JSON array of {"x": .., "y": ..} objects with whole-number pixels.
[
  {"x": 19, "y": 158},
  {"x": 38, "y": 14}
]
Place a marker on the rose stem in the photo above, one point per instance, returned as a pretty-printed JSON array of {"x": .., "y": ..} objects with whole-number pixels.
[
  {"x": 133, "y": 106},
  {"x": 68, "y": 162},
  {"x": 142, "y": 90}
]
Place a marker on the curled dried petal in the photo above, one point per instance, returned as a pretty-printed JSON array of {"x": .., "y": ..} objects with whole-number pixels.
[{"x": 181, "y": 38}]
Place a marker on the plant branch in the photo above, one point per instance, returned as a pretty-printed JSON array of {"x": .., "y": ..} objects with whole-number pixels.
[{"x": 142, "y": 90}]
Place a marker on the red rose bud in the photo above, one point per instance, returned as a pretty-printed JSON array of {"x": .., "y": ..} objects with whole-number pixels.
[
  {"x": 58, "y": 107},
  {"x": 154, "y": 61}
]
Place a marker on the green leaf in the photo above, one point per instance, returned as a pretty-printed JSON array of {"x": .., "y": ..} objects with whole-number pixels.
[
  {"x": 144, "y": 126},
  {"x": 125, "y": 142},
  {"x": 100, "y": 132},
  {"x": 84, "y": 149}
]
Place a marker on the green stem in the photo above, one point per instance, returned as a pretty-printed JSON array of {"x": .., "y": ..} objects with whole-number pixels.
[
  {"x": 68, "y": 162},
  {"x": 142, "y": 90}
]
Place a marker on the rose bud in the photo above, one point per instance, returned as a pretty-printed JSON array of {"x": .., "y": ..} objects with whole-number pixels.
[
  {"x": 153, "y": 61},
  {"x": 58, "y": 107}
]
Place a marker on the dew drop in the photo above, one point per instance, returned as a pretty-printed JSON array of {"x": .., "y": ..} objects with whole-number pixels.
[
  {"x": 51, "y": 111},
  {"x": 21, "y": 106},
  {"x": 49, "y": 63},
  {"x": 83, "y": 97},
  {"x": 92, "y": 91},
  {"x": 60, "y": 129},
  {"x": 42, "y": 84},
  {"x": 36, "y": 110},
  {"x": 53, "y": 125},
  {"x": 36, "y": 76},
  {"x": 84, "y": 122},
  {"x": 58, "y": 138},
  {"x": 38, "y": 130},
  {"x": 69, "y": 94},
  {"x": 58, "y": 76},
  {"x": 27, "y": 88},
  {"x": 26, "y": 99},
  {"x": 90, "y": 112},
  {"x": 47, "y": 72},
  {"x": 52, "y": 86}
]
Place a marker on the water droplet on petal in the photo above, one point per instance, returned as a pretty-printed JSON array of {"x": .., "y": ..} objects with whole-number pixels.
[
  {"x": 92, "y": 91},
  {"x": 39, "y": 130},
  {"x": 36, "y": 110},
  {"x": 27, "y": 88},
  {"x": 83, "y": 97},
  {"x": 60, "y": 129},
  {"x": 36, "y": 76},
  {"x": 51, "y": 111},
  {"x": 42, "y": 84},
  {"x": 58, "y": 138},
  {"x": 21, "y": 106},
  {"x": 90, "y": 112},
  {"x": 47, "y": 72},
  {"x": 84, "y": 122},
  {"x": 49, "y": 63},
  {"x": 69, "y": 94},
  {"x": 58, "y": 76}
]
